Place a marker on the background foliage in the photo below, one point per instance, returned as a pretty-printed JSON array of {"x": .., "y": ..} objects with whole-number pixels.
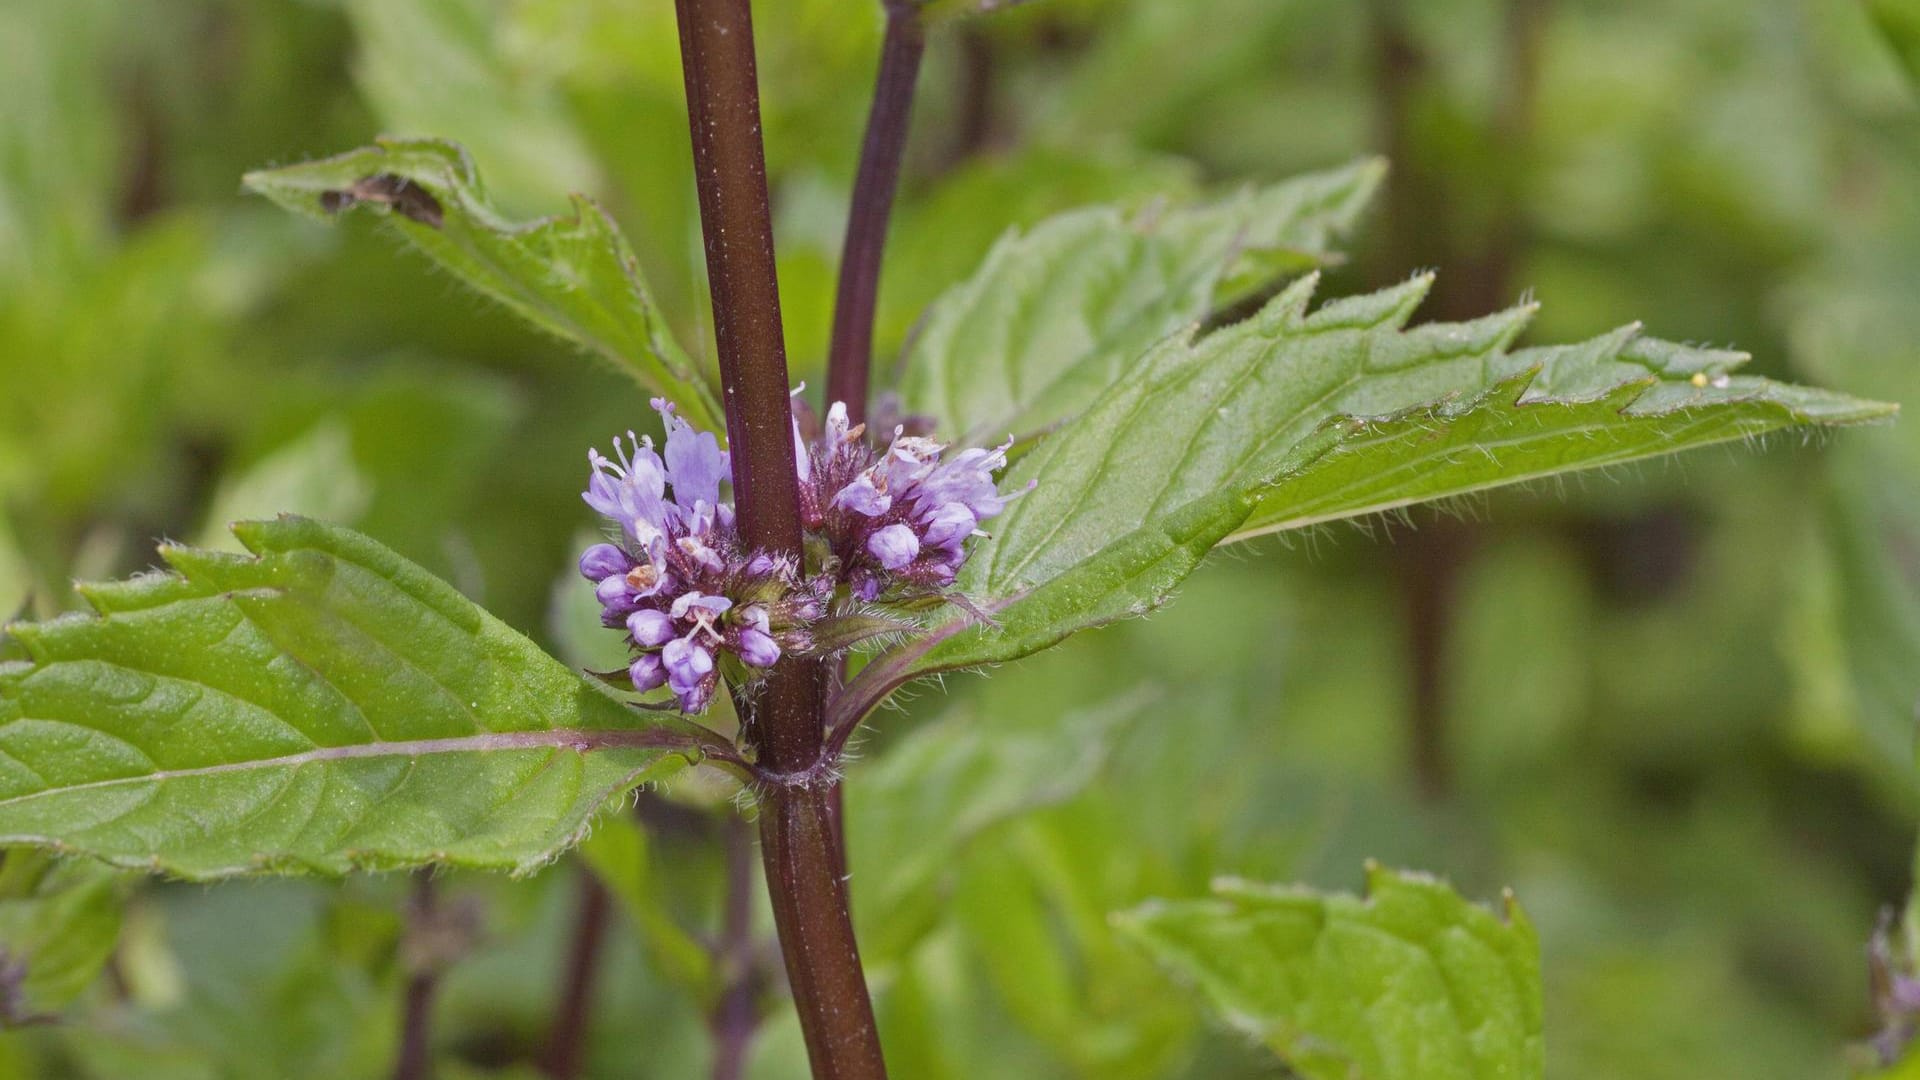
[{"x": 1671, "y": 706}]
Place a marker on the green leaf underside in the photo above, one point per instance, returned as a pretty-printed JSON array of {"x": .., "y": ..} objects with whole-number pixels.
[
  {"x": 1411, "y": 983},
  {"x": 1055, "y": 314},
  {"x": 1291, "y": 418},
  {"x": 573, "y": 275},
  {"x": 59, "y": 922},
  {"x": 322, "y": 705},
  {"x": 914, "y": 810}
]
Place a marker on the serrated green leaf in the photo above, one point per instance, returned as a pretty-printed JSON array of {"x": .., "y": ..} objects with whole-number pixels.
[
  {"x": 59, "y": 920},
  {"x": 1056, "y": 313},
  {"x": 1290, "y": 418},
  {"x": 573, "y": 276},
  {"x": 321, "y": 706},
  {"x": 941, "y": 235},
  {"x": 1614, "y": 399},
  {"x": 1410, "y": 983}
]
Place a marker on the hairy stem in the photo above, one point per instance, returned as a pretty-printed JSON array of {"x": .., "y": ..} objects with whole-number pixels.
[
  {"x": 735, "y": 1017},
  {"x": 415, "y": 1058},
  {"x": 785, "y": 718},
  {"x": 851, "y": 356},
  {"x": 797, "y": 845},
  {"x": 567, "y": 1040}
]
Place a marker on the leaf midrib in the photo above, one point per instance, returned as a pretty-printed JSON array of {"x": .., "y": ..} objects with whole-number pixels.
[
  {"x": 1647, "y": 444},
  {"x": 1191, "y": 369},
  {"x": 579, "y": 740}
]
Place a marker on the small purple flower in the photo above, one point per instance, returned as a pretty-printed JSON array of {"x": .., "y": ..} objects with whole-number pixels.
[
  {"x": 603, "y": 561},
  {"x": 895, "y": 546},
  {"x": 757, "y": 645},
  {"x": 677, "y": 579},
  {"x": 896, "y": 520},
  {"x": 1895, "y": 988},
  {"x": 647, "y": 672},
  {"x": 696, "y": 605},
  {"x": 650, "y": 627}
]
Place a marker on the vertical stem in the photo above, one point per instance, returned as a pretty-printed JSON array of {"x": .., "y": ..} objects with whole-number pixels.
[
  {"x": 1513, "y": 124},
  {"x": 1397, "y": 64},
  {"x": 1429, "y": 565},
  {"x": 567, "y": 1040},
  {"x": 415, "y": 1061},
  {"x": 415, "y": 1058},
  {"x": 1424, "y": 561},
  {"x": 973, "y": 125},
  {"x": 806, "y": 880},
  {"x": 878, "y": 179},
  {"x": 786, "y": 716},
  {"x": 736, "y": 1017},
  {"x": 1430, "y": 561},
  {"x": 730, "y": 171}
]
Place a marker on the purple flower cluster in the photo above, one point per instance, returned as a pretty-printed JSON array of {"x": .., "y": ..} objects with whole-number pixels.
[
  {"x": 1896, "y": 992},
  {"x": 695, "y": 604},
  {"x": 678, "y": 580},
  {"x": 894, "y": 520}
]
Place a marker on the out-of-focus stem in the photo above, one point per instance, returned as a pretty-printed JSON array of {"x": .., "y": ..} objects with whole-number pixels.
[
  {"x": 566, "y": 1050},
  {"x": 973, "y": 124},
  {"x": 414, "y": 1060},
  {"x": 736, "y": 1016},
  {"x": 1428, "y": 564},
  {"x": 1480, "y": 280}
]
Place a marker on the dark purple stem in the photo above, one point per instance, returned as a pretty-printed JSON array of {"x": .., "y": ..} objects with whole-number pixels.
[
  {"x": 1429, "y": 567},
  {"x": 736, "y": 1016},
  {"x": 415, "y": 1059},
  {"x": 973, "y": 127},
  {"x": 567, "y": 1040},
  {"x": 1432, "y": 560},
  {"x": 851, "y": 356},
  {"x": 730, "y": 171},
  {"x": 785, "y": 718}
]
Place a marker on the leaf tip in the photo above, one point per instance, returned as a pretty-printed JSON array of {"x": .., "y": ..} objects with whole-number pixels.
[
  {"x": 1389, "y": 308},
  {"x": 1287, "y": 309}
]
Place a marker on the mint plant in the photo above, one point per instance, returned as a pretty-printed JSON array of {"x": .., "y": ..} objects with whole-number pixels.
[{"x": 1109, "y": 398}]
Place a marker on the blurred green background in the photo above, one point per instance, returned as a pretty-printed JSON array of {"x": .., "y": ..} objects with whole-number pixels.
[{"x": 1672, "y": 707}]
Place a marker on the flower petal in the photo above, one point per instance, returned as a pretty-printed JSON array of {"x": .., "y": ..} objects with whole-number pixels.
[{"x": 895, "y": 546}]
